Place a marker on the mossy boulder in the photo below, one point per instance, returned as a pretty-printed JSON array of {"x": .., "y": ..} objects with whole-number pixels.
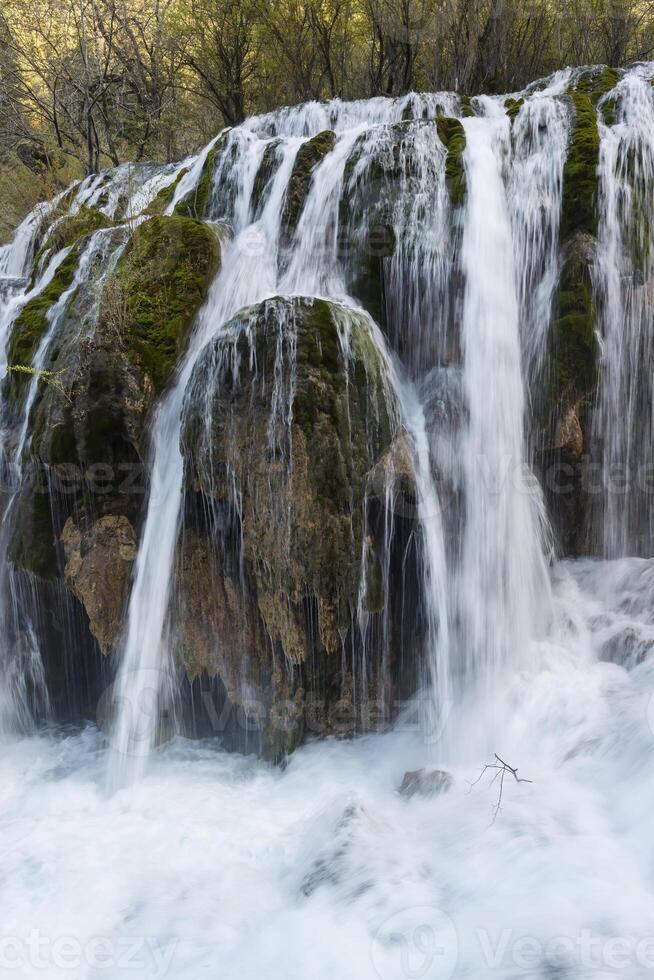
[
  {"x": 264, "y": 174},
  {"x": 162, "y": 279},
  {"x": 197, "y": 203},
  {"x": 453, "y": 137},
  {"x": 597, "y": 82},
  {"x": 513, "y": 107},
  {"x": 32, "y": 321},
  {"x": 86, "y": 451},
  {"x": 32, "y": 536},
  {"x": 569, "y": 391},
  {"x": 579, "y": 203},
  {"x": 310, "y": 154},
  {"x": 70, "y": 229},
  {"x": 164, "y": 198},
  {"x": 292, "y": 411}
]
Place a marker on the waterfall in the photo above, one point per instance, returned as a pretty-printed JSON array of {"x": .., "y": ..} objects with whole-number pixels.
[
  {"x": 623, "y": 284},
  {"x": 502, "y": 572},
  {"x": 145, "y": 684},
  {"x": 439, "y": 225}
]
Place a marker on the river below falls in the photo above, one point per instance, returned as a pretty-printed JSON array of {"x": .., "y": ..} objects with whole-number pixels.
[{"x": 216, "y": 864}]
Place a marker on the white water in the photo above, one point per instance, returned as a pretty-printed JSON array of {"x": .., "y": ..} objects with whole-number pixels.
[
  {"x": 503, "y": 584},
  {"x": 218, "y": 864},
  {"x": 624, "y": 266}
]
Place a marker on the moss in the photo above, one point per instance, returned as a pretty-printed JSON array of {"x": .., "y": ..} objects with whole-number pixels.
[
  {"x": 197, "y": 203},
  {"x": 310, "y": 154},
  {"x": 264, "y": 173},
  {"x": 513, "y": 107},
  {"x": 574, "y": 350},
  {"x": 32, "y": 545},
  {"x": 597, "y": 83},
  {"x": 453, "y": 137},
  {"x": 71, "y": 229},
  {"x": 578, "y": 211},
  {"x": 164, "y": 276},
  {"x": 467, "y": 108},
  {"x": 303, "y": 495},
  {"x": 165, "y": 196},
  {"x": 32, "y": 321},
  {"x": 609, "y": 110}
]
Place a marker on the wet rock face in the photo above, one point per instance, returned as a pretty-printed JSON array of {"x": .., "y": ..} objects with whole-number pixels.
[
  {"x": 425, "y": 783},
  {"x": 309, "y": 156},
  {"x": 98, "y": 564},
  {"x": 284, "y": 425}
]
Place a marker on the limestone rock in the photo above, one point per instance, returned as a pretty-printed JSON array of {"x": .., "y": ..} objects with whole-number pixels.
[{"x": 98, "y": 569}]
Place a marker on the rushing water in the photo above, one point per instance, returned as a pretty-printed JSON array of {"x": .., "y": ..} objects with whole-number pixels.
[{"x": 191, "y": 860}]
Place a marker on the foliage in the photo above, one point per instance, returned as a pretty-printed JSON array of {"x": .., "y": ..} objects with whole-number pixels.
[{"x": 102, "y": 81}]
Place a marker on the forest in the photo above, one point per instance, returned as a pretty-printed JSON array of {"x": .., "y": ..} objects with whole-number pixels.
[{"x": 85, "y": 84}]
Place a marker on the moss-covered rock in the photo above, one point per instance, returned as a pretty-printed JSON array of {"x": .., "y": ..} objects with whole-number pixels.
[
  {"x": 574, "y": 344},
  {"x": 579, "y": 204},
  {"x": 264, "y": 174},
  {"x": 300, "y": 411},
  {"x": 32, "y": 538},
  {"x": 197, "y": 203},
  {"x": 310, "y": 154},
  {"x": 597, "y": 82},
  {"x": 569, "y": 390},
  {"x": 513, "y": 107},
  {"x": 32, "y": 321},
  {"x": 453, "y": 137},
  {"x": 165, "y": 196},
  {"x": 162, "y": 278},
  {"x": 70, "y": 229}
]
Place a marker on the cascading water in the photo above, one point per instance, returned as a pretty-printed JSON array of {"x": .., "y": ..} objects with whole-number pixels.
[
  {"x": 388, "y": 335},
  {"x": 145, "y": 685},
  {"x": 626, "y": 316},
  {"x": 502, "y": 575}
]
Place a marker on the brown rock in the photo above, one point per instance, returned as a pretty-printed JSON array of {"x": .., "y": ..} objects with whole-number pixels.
[{"x": 99, "y": 561}]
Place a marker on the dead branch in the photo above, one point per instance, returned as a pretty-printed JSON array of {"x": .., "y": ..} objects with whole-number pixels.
[{"x": 501, "y": 769}]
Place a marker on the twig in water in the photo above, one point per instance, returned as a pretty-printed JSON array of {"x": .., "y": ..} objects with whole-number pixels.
[{"x": 501, "y": 768}]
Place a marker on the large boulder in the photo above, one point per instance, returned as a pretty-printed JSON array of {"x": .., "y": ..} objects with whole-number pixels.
[{"x": 288, "y": 414}]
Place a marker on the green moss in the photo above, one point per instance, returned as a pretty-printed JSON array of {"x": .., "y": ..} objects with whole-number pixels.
[
  {"x": 264, "y": 173},
  {"x": 308, "y": 157},
  {"x": 574, "y": 348},
  {"x": 73, "y": 228},
  {"x": 467, "y": 109},
  {"x": 453, "y": 137},
  {"x": 580, "y": 172},
  {"x": 197, "y": 203},
  {"x": 513, "y": 107},
  {"x": 159, "y": 204},
  {"x": 164, "y": 276},
  {"x": 32, "y": 546},
  {"x": 32, "y": 322},
  {"x": 595, "y": 84}
]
